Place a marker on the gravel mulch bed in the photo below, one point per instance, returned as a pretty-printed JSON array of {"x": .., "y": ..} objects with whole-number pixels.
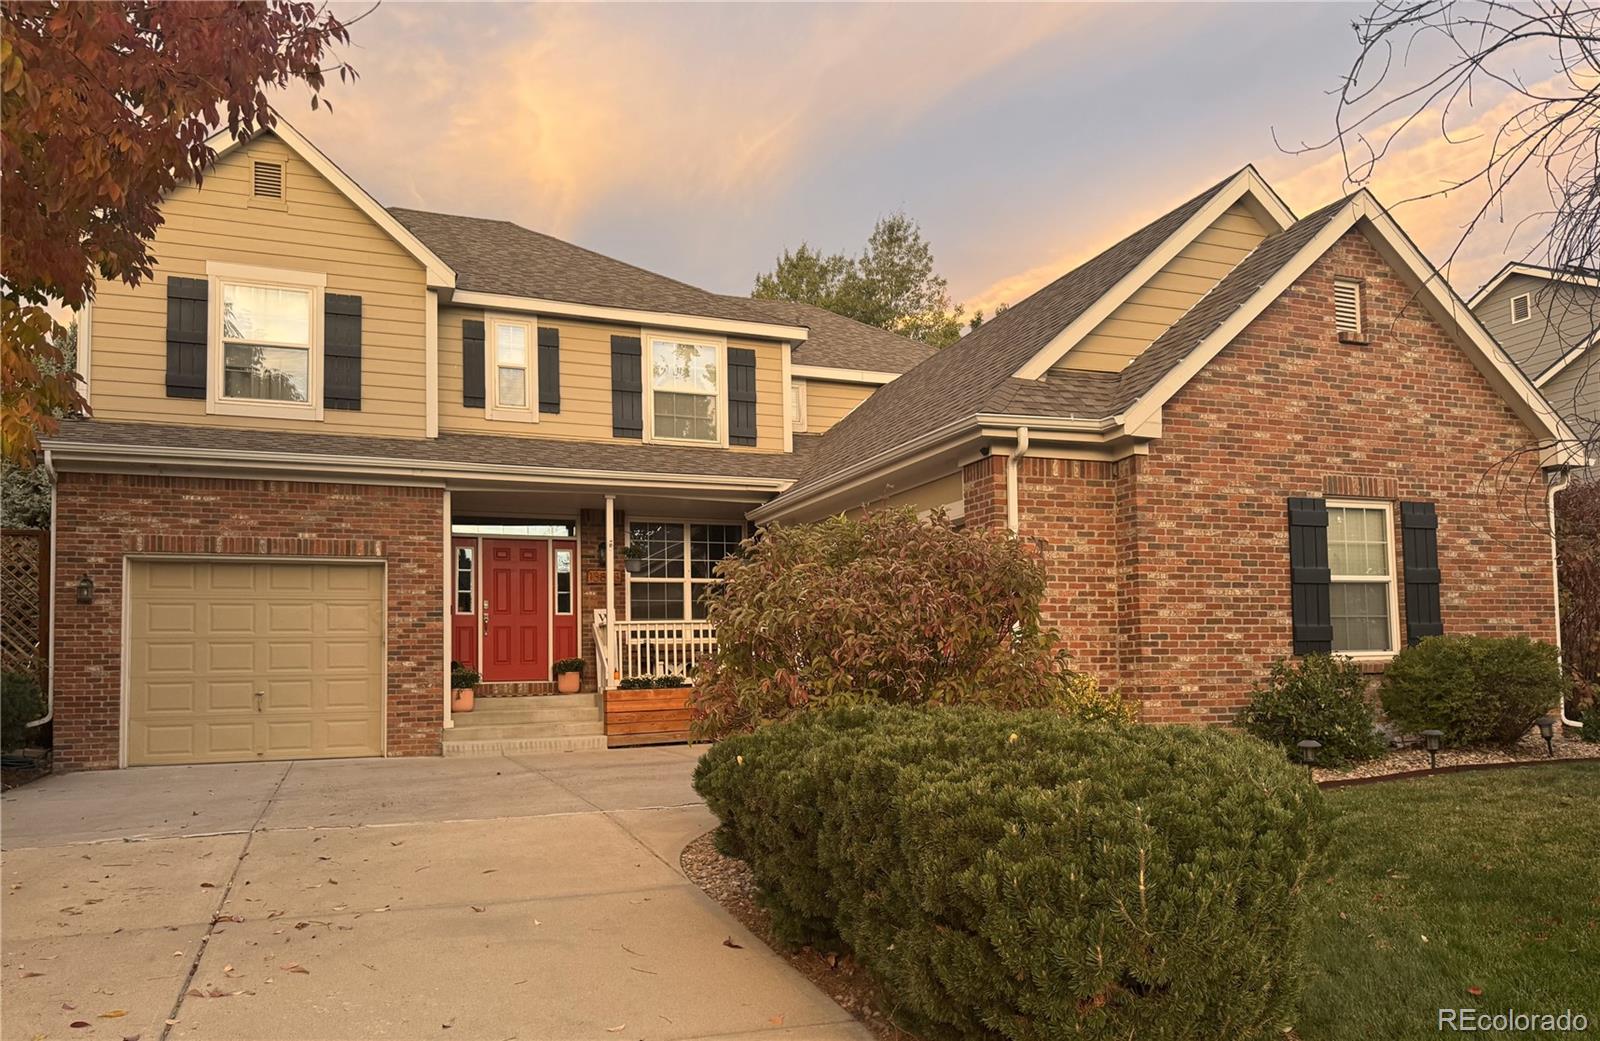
[
  {"x": 1530, "y": 749},
  {"x": 729, "y": 883}
]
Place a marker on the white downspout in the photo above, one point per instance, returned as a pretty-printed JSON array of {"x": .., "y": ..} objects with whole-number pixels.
[
  {"x": 1555, "y": 581},
  {"x": 1013, "y": 466},
  {"x": 50, "y": 626},
  {"x": 611, "y": 591},
  {"x": 449, "y": 607}
]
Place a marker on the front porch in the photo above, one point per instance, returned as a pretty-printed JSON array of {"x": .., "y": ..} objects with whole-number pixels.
[{"x": 615, "y": 580}]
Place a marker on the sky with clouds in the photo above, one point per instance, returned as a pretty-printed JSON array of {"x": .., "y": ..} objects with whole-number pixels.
[{"x": 699, "y": 141}]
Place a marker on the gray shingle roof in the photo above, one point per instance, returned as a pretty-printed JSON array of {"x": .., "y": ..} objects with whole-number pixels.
[
  {"x": 844, "y": 343},
  {"x": 467, "y": 449}
]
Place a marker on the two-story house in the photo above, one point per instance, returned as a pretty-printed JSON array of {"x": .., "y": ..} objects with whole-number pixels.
[
  {"x": 335, "y": 447},
  {"x": 1548, "y": 321}
]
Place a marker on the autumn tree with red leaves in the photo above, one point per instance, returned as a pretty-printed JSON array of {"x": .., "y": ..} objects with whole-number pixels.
[{"x": 106, "y": 108}]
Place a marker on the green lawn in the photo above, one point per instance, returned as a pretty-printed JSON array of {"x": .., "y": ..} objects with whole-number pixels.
[{"x": 1482, "y": 880}]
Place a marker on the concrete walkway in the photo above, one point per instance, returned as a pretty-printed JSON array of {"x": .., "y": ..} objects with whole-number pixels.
[{"x": 527, "y": 897}]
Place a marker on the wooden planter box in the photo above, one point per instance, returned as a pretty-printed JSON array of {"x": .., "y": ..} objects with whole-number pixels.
[{"x": 652, "y": 716}]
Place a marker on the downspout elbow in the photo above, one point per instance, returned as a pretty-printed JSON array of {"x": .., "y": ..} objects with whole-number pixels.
[{"x": 1013, "y": 469}]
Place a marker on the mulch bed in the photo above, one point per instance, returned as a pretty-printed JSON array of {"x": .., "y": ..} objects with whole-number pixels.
[
  {"x": 1404, "y": 761},
  {"x": 729, "y": 883}
]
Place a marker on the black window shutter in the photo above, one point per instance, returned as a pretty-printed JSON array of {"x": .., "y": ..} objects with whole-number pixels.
[
  {"x": 627, "y": 387},
  {"x": 741, "y": 396},
  {"x": 1419, "y": 534},
  {"x": 188, "y": 319},
  {"x": 471, "y": 363},
  {"x": 550, "y": 370},
  {"x": 341, "y": 352},
  {"x": 1309, "y": 576}
]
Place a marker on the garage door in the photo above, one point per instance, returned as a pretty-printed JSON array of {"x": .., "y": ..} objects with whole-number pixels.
[{"x": 238, "y": 662}]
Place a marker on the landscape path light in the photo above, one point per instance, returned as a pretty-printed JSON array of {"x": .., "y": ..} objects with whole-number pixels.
[
  {"x": 1308, "y": 754},
  {"x": 1547, "y": 730},
  {"x": 1432, "y": 739}
]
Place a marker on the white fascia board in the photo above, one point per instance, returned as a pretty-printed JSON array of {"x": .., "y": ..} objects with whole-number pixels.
[
  {"x": 1452, "y": 313},
  {"x": 630, "y": 316},
  {"x": 1566, "y": 359},
  {"x": 440, "y": 274},
  {"x": 838, "y": 375},
  {"x": 1532, "y": 271},
  {"x": 1246, "y": 183},
  {"x": 73, "y": 456}
]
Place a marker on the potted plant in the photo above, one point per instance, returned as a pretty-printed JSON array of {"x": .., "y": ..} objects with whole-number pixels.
[
  {"x": 632, "y": 558},
  {"x": 463, "y": 686},
  {"x": 569, "y": 673}
]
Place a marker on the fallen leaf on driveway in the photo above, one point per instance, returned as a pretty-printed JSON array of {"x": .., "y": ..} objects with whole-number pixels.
[
  {"x": 28, "y": 975},
  {"x": 617, "y": 1029},
  {"x": 116, "y": 1013},
  {"x": 776, "y": 1021},
  {"x": 208, "y": 885},
  {"x": 295, "y": 966},
  {"x": 729, "y": 943},
  {"x": 475, "y": 907},
  {"x": 78, "y": 1024}
]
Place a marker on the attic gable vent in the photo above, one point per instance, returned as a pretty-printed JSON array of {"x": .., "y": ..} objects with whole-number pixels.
[
  {"x": 1521, "y": 307},
  {"x": 1347, "y": 307},
  {"x": 268, "y": 181}
]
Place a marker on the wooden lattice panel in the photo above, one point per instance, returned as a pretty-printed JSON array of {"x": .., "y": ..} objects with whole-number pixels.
[{"x": 24, "y": 589}]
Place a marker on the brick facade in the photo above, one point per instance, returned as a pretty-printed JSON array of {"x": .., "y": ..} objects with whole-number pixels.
[
  {"x": 102, "y": 518},
  {"x": 1169, "y": 572}
]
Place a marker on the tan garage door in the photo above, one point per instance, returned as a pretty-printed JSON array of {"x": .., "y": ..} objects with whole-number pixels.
[{"x": 238, "y": 662}]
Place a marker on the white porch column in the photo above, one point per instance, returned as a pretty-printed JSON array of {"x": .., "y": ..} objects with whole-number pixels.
[
  {"x": 611, "y": 590},
  {"x": 449, "y": 606}
]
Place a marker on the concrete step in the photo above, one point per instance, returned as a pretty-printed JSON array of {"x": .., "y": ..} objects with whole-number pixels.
[
  {"x": 520, "y": 746},
  {"x": 482, "y": 713},
  {"x": 464, "y": 731},
  {"x": 497, "y": 704}
]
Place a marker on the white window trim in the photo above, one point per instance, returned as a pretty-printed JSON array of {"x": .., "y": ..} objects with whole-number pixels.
[
  {"x": 798, "y": 403},
  {"x": 491, "y": 392},
  {"x": 720, "y": 343},
  {"x": 472, "y": 576},
  {"x": 688, "y": 581},
  {"x": 1393, "y": 576},
  {"x": 1525, "y": 318},
  {"x": 217, "y": 404},
  {"x": 572, "y": 580}
]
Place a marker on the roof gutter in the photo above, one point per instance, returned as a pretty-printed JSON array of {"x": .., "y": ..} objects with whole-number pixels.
[
  {"x": 346, "y": 465},
  {"x": 631, "y": 316}
]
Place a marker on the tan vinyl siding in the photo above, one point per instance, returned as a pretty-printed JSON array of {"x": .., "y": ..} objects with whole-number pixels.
[
  {"x": 315, "y": 229},
  {"x": 828, "y": 402},
  {"x": 586, "y": 384},
  {"x": 930, "y": 495},
  {"x": 1561, "y": 315},
  {"x": 1178, "y": 286}
]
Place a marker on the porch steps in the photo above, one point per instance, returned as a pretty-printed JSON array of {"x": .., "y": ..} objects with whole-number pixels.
[{"x": 543, "y": 723}]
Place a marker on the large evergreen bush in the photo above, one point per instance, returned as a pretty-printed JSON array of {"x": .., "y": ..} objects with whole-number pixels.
[
  {"x": 1478, "y": 690},
  {"x": 21, "y": 702},
  {"x": 1322, "y": 698},
  {"x": 1018, "y": 875},
  {"x": 883, "y": 608}
]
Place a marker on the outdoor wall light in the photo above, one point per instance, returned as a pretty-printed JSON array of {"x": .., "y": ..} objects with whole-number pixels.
[
  {"x": 1432, "y": 739},
  {"x": 600, "y": 552},
  {"x": 1308, "y": 753},
  {"x": 1547, "y": 730},
  {"x": 85, "y": 590}
]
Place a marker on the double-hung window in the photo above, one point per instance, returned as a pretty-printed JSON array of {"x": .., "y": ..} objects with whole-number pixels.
[
  {"x": 514, "y": 378},
  {"x": 679, "y": 567},
  {"x": 686, "y": 391},
  {"x": 1361, "y": 567},
  {"x": 267, "y": 326}
]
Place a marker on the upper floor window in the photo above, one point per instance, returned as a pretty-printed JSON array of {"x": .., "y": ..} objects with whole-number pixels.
[
  {"x": 1521, "y": 308},
  {"x": 268, "y": 324},
  {"x": 511, "y": 351},
  {"x": 1347, "y": 316},
  {"x": 686, "y": 390}
]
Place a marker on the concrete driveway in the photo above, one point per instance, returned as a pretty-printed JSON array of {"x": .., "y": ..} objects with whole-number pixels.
[{"x": 527, "y": 897}]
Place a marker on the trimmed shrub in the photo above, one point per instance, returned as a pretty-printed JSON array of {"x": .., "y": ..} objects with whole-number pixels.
[
  {"x": 462, "y": 677},
  {"x": 1018, "y": 875},
  {"x": 884, "y": 608},
  {"x": 1478, "y": 690},
  {"x": 1322, "y": 697},
  {"x": 652, "y": 682},
  {"x": 21, "y": 702}
]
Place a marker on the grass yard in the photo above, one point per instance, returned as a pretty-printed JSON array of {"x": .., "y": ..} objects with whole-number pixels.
[{"x": 1476, "y": 890}]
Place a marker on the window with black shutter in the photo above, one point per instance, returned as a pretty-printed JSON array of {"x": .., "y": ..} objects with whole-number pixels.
[
  {"x": 1419, "y": 534},
  {"x": 550, "y": 370},
  {"x": 627, "y": 388},
  {"x": 188, "y": 318},
  {"x": 1309, "y": 576},
  {"x": 471, "y": 363},
  {"x": 341, "y": 352},
  {"x": 741, "y": 396}
]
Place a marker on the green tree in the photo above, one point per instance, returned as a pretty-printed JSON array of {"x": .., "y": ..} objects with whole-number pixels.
[{"x": 892, "y": 284}]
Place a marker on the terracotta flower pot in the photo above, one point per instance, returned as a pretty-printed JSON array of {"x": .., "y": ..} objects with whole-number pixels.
[
  {"x": 461, "y": 699},
  {"x": 567, "y": 682}
]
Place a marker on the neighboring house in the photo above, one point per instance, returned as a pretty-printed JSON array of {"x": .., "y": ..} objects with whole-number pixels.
[
  {"x": 1549, "y": 322},
  {"x": 336, "y": 446},
  {"x": 1235, "y": 435}
]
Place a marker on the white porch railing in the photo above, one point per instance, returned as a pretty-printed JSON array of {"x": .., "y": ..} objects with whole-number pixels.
[{"x": 650, "y": 648}]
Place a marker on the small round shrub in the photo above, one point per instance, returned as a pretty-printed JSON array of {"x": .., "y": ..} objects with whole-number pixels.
[
  {"x": 1322, "y": 697},
  {"x": 21, "y": 702},
  {"x": 1478, "y": 690},
  {"x": 1017, "y": 875}
]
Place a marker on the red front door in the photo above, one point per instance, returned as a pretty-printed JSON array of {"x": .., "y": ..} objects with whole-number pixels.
[{"x": 516, "y": 634}]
